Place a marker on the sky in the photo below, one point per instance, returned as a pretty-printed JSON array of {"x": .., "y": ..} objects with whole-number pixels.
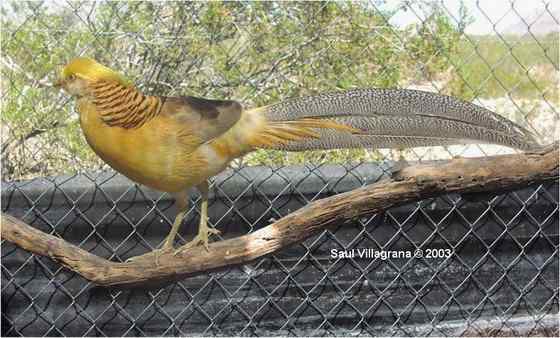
[{"x": 498, "y": 11}]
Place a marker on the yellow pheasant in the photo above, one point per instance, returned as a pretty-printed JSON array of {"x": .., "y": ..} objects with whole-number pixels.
[{"x": 174, "y": 143}]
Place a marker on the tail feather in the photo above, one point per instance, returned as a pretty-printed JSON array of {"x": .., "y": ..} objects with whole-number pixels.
[
  {"x": 384, "y": 118},
  {"x": 333, "y": 140},
  {"x": 275, "y": 134},
  {"x": 366, "y": 141}
]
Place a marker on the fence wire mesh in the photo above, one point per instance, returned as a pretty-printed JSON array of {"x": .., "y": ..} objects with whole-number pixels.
[{"x": 503, "y": 270}]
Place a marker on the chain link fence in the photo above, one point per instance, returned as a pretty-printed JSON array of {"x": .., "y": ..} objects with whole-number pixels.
[{"x": 500, "y": 279}]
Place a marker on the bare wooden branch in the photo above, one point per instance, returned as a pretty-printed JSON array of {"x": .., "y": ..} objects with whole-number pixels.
[{"x": 498, "y": 173}]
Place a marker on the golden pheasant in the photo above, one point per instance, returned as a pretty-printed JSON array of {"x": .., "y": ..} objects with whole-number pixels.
[{"x": 174, "y": 143}]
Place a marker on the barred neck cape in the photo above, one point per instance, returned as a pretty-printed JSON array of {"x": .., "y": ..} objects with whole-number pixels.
[{"x": 124, "y": 106}]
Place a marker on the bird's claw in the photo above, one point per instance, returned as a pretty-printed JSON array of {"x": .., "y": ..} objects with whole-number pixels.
[
  {"x": 200, "y": 239},
  {"x": 213, "y": 231}
]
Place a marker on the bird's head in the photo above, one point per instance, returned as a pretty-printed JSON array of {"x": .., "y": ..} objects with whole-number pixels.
[{"x": 79, "y": 73}]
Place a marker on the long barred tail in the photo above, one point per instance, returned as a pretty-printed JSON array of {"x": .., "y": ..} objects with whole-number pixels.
[{"x": 384, "y": 118}]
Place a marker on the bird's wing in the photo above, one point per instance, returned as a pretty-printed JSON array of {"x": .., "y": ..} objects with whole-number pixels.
[{"x": 206, "y": 119}]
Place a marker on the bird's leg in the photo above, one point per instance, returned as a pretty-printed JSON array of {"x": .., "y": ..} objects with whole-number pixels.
[
  {"x": 203, "y": 229},
  {"x": 182, "y": 203}
]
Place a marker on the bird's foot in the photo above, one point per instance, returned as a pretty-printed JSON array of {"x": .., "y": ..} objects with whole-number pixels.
[{"x": 200, "y": 239}]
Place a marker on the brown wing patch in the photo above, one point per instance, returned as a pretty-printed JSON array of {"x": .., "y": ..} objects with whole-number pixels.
[
  {"x": 207, "y": 109},
  {"x": 208, "y": 119}
]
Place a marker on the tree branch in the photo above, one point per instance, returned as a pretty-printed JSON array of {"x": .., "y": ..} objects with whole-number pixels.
[{"x": 497, "y": 173}]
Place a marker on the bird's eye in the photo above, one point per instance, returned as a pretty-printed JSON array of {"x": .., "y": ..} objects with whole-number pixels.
[{"x": 71, "y": 77}]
